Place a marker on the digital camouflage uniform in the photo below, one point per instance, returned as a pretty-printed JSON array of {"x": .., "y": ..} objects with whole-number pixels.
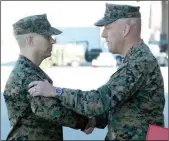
[
  {"x": 133, "y": 97},
  {"x": 35, "y": 118}
]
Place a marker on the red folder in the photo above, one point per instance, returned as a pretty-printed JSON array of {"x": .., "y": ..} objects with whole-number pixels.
[{"x": 157, "y": 133}]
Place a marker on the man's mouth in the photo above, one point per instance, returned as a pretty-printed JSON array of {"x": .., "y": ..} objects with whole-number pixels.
[{"x": 50, "y": 49}]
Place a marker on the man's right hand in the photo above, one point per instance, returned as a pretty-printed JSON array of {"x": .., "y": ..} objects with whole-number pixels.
[{"x": 90, "y": 125}]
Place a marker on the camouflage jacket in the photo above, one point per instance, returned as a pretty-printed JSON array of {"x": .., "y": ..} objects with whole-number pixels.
[
  {"x": 36, "y": 118},
  {"x": 133, "y": 97}
]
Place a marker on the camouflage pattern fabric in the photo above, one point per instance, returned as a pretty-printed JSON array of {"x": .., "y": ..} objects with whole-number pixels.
[
  {"x": 133, "y": 96},
  {"x": 101, "y": 120},
  {"x": 36, "y": 118},
  {"x": 35, "y": 24},
  {"x": 114, "y": 12}
]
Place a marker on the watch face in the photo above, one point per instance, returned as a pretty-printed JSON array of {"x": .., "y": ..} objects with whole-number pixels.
[{"x": 58, "y": 91}]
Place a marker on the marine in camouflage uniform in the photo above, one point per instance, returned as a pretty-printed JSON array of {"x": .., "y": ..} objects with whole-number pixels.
[
  {"x": 35, "y": 118},
  {"x": 133, "y": 97}
]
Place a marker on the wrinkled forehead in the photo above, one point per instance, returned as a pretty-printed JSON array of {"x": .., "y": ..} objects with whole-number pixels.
[
  {"x": 40, "y": 37},
  {"x": 117, "y": 22}
]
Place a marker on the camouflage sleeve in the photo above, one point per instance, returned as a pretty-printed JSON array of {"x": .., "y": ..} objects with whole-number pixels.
[
  {"x": 121, "y": 85},
  {"x": 50, "y": 109},
  {"x": 101, "y": 120},
  {"x": 13, "y": 100}
]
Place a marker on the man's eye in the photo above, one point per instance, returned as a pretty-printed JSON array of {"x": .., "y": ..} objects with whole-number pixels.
[
  {"x": 47, "y": 37},
  {"x": 107, "y": 27}
]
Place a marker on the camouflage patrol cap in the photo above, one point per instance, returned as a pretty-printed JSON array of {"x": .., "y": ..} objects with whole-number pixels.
[
  {"x": 114, "y": 12},
  {"x": 35, "y": 24}
]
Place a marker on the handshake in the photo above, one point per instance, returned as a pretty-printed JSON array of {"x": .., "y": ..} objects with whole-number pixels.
[{"x": 90, "y": 125}]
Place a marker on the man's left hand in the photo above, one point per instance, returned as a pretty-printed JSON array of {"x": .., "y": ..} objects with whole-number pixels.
[{"x": 41, "y": 88}]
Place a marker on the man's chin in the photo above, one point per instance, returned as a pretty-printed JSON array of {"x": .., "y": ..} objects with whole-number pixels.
[
  {"x": 111, "y": 51},
  {"x": 47, "y": 55}
]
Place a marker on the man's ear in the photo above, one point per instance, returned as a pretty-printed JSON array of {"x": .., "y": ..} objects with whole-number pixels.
[
  {"x": 126, "y": 30},
  {"x": 29, "y": 40}
]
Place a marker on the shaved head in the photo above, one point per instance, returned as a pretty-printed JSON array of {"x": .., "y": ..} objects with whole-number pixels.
[
  {"x": 22, "y": 40},
  {"x": 134, "y": 25},
  {"x": 122, "y": 34},
  {"x": 35, "y": 46}
]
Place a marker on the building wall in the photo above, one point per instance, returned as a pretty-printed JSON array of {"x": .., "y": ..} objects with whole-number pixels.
[{"x": 164, "y": 22}]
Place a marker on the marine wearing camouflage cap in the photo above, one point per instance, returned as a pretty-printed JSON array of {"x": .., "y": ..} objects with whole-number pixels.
[
  {"x": 133, "y": 97},
  {"x": 29, "y": 120},
  {"x": 114, "y": 12},
  {"x": 35, "y": 24}
]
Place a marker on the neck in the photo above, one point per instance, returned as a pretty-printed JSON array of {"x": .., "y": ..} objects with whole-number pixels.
[
  {"x": 36, "y": 60},
  {"x": 128, "y": 45}
]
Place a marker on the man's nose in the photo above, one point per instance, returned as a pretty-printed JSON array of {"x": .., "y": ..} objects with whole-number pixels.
[
  {"x": 104, "y": 34},
  {"x": 52, "y": 41}
]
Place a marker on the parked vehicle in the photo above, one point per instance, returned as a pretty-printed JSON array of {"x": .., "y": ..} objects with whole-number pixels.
[
  {"x": 159, "y": 50},
  {"x": 105, "y": 59}
]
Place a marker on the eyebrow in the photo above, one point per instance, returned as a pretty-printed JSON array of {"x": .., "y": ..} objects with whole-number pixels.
[{"x": 107, "y": 26}]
